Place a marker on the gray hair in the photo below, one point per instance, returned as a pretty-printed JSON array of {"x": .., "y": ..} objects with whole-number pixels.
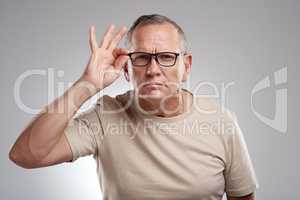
[{"x": 156, "y": 19}]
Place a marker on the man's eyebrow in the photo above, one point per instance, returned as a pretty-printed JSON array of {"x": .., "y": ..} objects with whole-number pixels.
[
  {"x": 143, "y": 49},
  {"x": 150, "y": 51}
]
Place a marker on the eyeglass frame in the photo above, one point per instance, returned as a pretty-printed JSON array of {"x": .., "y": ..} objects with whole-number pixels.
[{"x": 155, "y": 57}]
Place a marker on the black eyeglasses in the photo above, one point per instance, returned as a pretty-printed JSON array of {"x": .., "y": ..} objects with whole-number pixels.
[{"x": 165, "y": 59}]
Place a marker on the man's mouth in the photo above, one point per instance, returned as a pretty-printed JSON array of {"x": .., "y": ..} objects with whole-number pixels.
[{"x": 154, "y": 84}]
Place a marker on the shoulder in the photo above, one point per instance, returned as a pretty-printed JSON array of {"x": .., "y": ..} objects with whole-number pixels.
[
  {"x": 210, "y": 108},
  {"x": 214, "y": 117},
  {"x": 110, "y": 102},
  {"x": 116, "y": 107}
]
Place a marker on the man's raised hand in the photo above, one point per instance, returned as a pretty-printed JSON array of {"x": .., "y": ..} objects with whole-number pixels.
[{"x": 106, "y": 60}]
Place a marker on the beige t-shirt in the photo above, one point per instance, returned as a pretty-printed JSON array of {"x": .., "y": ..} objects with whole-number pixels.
[{"x": 199, "y": 154}]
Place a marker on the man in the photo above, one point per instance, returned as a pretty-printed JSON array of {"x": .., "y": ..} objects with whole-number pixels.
[{"x": 144, "y": 141}]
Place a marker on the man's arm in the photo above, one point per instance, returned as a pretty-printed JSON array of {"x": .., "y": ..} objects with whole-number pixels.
[
  {"x": 247, "y": 197},
  {"x": 43, "y": 142}
]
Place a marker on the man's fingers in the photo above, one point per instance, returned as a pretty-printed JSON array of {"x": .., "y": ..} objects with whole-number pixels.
[
  {"x": 119, "y": 51},
  {"x": 107, "y": 37},
  {"x": 120, "y": 62},
  {"x": 115, "y": 41},
  {"x": 92, "y": 39}
]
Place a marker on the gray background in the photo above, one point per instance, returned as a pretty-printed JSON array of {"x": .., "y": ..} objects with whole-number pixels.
[{"x": 239, "y": 41}]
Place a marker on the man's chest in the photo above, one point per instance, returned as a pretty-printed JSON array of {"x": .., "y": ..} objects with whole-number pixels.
[{"x": 163, "y": 166}]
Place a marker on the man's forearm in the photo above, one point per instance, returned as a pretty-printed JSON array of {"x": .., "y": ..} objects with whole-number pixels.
[{"x": 38, "y": 139}]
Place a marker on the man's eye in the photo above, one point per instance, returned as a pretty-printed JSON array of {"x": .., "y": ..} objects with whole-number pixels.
[
  {"x": 166, "y": 57},
  {"x": 142, "y": 57}
]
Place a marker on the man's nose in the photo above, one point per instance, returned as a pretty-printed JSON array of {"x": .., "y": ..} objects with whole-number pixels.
[{"x": 153, "y": 68}]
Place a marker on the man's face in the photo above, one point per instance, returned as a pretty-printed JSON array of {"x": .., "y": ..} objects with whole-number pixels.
[{"x": 153, "y": 39}]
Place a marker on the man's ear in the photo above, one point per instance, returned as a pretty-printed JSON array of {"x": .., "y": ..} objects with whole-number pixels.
[
  {"x": 126, "y": 72},
  {"x": 187, "y": 61}
]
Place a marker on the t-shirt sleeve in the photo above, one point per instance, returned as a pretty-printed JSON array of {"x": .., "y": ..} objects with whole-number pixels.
[
  {"x": 83, "y": 134},
  {"x": 240, "y": 177}
]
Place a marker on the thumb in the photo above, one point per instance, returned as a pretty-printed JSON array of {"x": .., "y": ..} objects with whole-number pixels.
[{"x": 120, "y": 62}]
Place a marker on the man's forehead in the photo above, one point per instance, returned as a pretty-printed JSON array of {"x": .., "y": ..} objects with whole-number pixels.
[{"x": 163, "y": 36}]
